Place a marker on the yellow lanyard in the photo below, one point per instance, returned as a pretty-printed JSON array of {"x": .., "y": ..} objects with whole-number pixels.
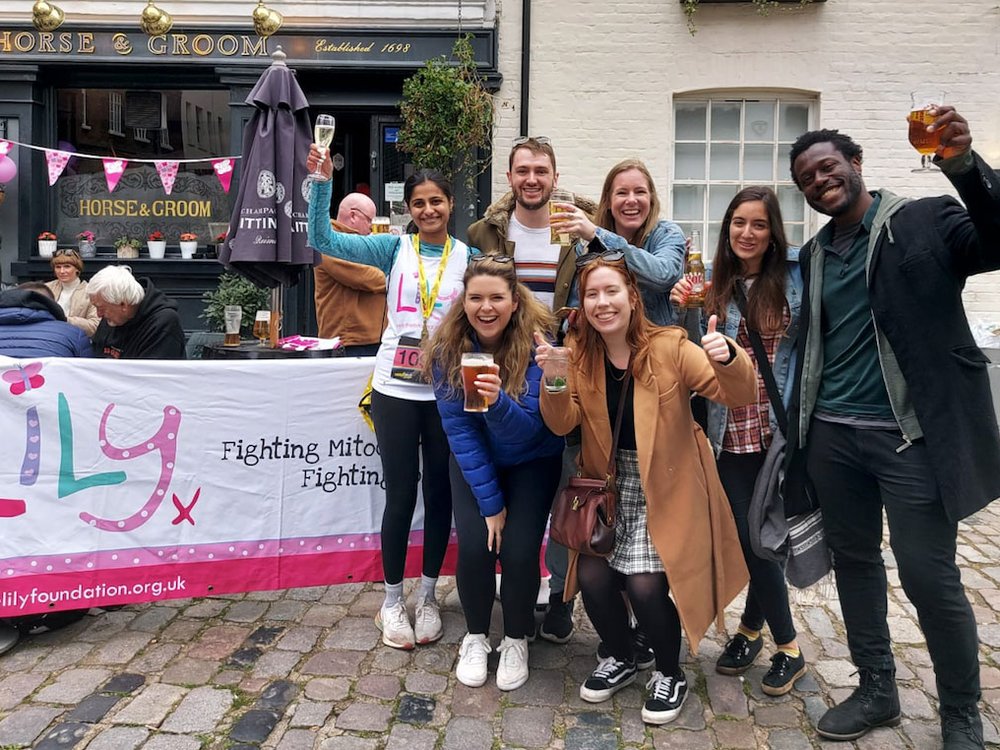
[{"x": 427, "y": 301}]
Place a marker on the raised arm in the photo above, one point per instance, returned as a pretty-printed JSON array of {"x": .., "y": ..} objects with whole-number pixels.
[
  {"x": 660, "y": 263},
  {"x": 377, "y": 250}
]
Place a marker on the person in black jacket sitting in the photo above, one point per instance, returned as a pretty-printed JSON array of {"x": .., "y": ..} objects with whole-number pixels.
[{"x": 138, "y": 321}]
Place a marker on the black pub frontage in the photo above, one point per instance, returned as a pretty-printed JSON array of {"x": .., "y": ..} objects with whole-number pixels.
[{"x": 98, "y": 92}]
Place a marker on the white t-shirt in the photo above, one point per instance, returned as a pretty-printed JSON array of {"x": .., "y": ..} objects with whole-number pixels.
[
  {"x": 536, "y": 259},
  {"x": 66, "y": 295}
]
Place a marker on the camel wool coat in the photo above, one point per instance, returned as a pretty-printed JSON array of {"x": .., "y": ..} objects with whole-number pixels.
[{"x": 688, "y": 515}]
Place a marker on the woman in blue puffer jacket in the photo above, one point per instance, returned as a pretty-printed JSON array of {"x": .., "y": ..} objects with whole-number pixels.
[{"x": 505, "y": 463}]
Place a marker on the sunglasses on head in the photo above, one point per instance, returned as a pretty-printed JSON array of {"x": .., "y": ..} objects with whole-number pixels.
[
  {"x": 65, "y": 251},
  {"x": 606, "y": 255},
  {"x": 482, "y": 258},
  {"x": 541, "y": 140}
]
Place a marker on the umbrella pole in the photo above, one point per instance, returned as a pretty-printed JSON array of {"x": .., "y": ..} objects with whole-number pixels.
[{"x": 277, "y": 307}]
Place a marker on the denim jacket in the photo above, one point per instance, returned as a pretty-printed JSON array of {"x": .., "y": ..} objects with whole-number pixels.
[{"x": 784, "y": 359}]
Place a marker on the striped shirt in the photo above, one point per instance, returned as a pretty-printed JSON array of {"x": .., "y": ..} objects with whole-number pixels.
[{"x": 536, "y": 259}]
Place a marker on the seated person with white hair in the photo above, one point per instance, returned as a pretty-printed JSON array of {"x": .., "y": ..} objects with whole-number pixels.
[{"x": 138, "y": 321}]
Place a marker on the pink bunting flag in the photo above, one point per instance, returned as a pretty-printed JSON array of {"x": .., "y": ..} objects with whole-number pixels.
[
  {"x": 5, "y": 147},
  {"x": 113, "y": 171},
  {"x": 224, "y": 171},
  {"x": 168, "y": 173},
  {"x": 56, "y": 161}
]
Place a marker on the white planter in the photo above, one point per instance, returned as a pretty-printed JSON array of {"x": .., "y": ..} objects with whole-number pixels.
[
  {"x": 189, "y": 248},
  {"x": 157, "y": 248},
  {"x": 46, "y": 248}
]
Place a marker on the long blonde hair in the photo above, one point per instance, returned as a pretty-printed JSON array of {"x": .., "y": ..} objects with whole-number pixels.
[
  {"x": 603, "y": 217},
  {"x": 455, "y": 335}
]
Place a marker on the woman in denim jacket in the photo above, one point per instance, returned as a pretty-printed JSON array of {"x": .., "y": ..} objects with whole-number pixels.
[
  {"x": 628, "y": 219},
  {"x": 753, "y": 254}
]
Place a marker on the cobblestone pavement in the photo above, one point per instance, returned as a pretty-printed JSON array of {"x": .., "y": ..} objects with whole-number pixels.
[{"x": 304, "y": 669}]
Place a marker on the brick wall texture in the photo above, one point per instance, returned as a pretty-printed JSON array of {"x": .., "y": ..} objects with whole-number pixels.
[{"x": 604, "y": 74}]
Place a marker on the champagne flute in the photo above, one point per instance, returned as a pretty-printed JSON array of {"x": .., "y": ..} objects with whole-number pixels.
[
  {"x": 323, "y": 133},
  {"x": 926, "y": 144}
]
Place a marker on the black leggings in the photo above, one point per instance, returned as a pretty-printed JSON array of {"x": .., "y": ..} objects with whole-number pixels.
[
  {"x": 654, "y": 610},
  {"x": 767, "y": 597},
  {"x": 527, "y": 489},
  {"x": 401, "y": 426}
]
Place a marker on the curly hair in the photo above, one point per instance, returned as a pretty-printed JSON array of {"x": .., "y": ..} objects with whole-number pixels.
[
  {"x": 455, "y": 335},
  {"x": 843, "y": 143},
  {"x": 588, "y": 346},
  {"x": 603, "y": 217}
]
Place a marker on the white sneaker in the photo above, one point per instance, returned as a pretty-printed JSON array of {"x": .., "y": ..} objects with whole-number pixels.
[
  {"x": 427, "y": 621},
  {"x": 395, "y": 626},
  {"x": 512, "y": 672},
  {"x": 472, "y": 656}
]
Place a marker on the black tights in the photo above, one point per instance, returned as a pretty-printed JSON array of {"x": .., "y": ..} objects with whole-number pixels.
[
  {"x": 401, "y": 427},
  {"x": 654, "y": 610}
]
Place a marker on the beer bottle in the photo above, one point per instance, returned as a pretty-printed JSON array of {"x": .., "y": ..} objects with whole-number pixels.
[{"x": 694, "y": 272}]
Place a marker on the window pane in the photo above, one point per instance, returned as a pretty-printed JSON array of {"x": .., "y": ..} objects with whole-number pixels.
[
  {"x": 758, "y": 163},
  {"x": 792, "y": 204},
  {"x": 712, "y": 242},
  {"x": 793, "y": 232},
  {"x": 784, "y": 168},
  {"x": 690, "y": 121},
  {"x": 686, "y": 228},
  {"x": 725, "y": 121},
  {"x": 718, "y": 200},
  {"x": 689, "y": 161},
  {"x": 759, "y": 121},
  {"x": 689, "y": 202},
  {"x": 794, "y": 120},
  {"x": 725, "y": 162}
]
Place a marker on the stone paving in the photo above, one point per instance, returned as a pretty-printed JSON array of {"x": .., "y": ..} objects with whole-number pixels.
[{"x": 304, "y": 669}]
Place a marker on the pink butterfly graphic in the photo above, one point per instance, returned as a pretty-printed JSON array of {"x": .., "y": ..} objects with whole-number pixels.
[{"x": 24, "y": 378}]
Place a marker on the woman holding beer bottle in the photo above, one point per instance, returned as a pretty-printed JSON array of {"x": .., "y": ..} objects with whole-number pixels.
[
  {"x": 506, "y": 463},
  {"x": 424, "y": 274},
  {"x": 674, "y": 533},
  {"x": 757, "y": 286},
  {"x": 628, "y": 220}
]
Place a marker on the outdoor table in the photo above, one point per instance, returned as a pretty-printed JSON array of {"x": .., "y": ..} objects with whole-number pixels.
[{"x": 250, "y": 349}]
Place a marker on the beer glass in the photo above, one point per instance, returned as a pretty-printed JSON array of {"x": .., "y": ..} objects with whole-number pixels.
[
  {"x": 558, "y": 196},
  {"x": 381, "y": 225},
  {"x": 556, "y": 370},
  {"x": 232, "y": 315},
  {"x": 262, "y": 326},
  {"x": 926, "y": 144},
  {"x": 474, "y": 364},
  {"x": 323, "y": 134}
]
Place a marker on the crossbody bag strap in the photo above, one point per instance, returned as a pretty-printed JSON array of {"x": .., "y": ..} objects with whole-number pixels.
[
  {"x": 763, "y": 363},
  {"x": 618, "y": 419}
]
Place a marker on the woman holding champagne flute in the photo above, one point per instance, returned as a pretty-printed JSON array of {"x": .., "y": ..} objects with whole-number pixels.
[
  {"x": 505, "y": 465},
  {"x": 424, "y": 274}
]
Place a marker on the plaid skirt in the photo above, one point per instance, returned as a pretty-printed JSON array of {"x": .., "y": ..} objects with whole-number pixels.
[{"x": 634, "y": 551}]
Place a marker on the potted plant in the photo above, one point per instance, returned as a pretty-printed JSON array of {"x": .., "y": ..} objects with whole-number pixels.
[
  {"x": 156, "y": 244},
  {"x": 189, "y": 244},
  {"x": 88, "y": 246},
  {"x": 448, "y": 115},
  {"x": 234, "y": 289},
  {"x": 127, "y": 247},
  {"x": 764, "y": 7},
  {"x": 47, "y": 244},
  {"x": 220, "y": 238}
]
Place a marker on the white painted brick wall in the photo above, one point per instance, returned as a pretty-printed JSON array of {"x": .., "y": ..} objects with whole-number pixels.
[{"x": 603, "y": 75}]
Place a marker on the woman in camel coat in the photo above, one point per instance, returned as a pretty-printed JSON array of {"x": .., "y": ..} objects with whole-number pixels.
[
  {"x": 70, "y": 291},
  {"x": 675, "y": 531}
]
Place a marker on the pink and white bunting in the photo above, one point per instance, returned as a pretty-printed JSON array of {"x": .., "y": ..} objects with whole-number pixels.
[
  {"x": 224, "y": 171},
  {"x": 113, "y": 171},
  {"x": 168, "y": 173},
  {"x": 56, "y": 161}
]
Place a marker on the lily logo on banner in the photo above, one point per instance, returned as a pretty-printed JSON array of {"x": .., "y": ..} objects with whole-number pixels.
[{"x": 162, "y": 441}]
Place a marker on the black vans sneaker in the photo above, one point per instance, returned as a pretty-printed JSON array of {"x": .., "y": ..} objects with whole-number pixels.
[
  {"x": 784, "y": 671},
  {"x": 739, "y": 654},
  {"x": 557, "y": 627},
  {"x": 610, "y": 676},
  {"x": 664, "y": 698}
]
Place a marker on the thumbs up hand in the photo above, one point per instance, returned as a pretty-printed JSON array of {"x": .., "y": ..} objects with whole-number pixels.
[{"x": 714, "y": 343}]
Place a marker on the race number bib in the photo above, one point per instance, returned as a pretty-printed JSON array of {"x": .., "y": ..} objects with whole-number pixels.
[{"x": 408, "y": 363}]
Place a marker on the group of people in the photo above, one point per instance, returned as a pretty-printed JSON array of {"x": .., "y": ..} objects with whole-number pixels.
[
  {"x": 113, "y": 315},
  {"x": 866, "y": 341}
]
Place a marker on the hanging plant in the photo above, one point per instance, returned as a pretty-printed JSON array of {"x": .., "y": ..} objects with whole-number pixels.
[
  {"x": 448, "y": 115},
  {"x": 764, "y": 8}
]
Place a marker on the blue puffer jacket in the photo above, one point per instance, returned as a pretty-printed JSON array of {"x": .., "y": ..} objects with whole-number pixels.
[
  {"x": 510, "y": 433},
  {"x": 33, "y": 325}
]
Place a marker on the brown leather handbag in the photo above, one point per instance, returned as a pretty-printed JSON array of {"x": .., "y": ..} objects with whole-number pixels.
[{"x": 583, "y": 514}]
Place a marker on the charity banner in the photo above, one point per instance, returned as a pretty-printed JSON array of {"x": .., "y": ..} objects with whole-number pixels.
[{"x": 133, "y": 481}]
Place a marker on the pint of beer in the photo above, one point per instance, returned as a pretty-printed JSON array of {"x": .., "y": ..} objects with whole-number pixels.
[
  {"x": 380, "y": 225},
  {"x": 262, "y": 326},
  {"x": 474, "y": 364},
  {"x": 926, "y": 144},
  {"x": 232, "y": 316},
  {"x": 559, "y": 196}
]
